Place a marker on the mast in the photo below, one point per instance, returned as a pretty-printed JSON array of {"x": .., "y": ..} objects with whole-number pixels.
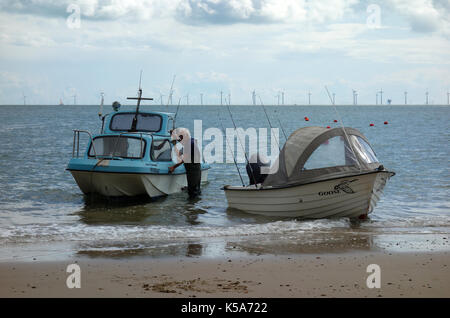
[{"x": 139, "y": 98}]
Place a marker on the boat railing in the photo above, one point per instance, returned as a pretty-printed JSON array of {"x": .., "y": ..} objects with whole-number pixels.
[{"x": 76, "y": 142}]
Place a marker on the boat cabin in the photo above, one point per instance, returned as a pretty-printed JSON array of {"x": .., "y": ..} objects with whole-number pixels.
[
  {"x": 149, "y": 142},
  {"x": 316, "y": 153}
]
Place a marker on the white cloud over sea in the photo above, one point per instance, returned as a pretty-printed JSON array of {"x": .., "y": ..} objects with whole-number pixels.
[{"x": 233, "y": 46}]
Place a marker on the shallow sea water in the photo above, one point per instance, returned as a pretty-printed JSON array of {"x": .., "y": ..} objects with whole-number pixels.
[{"x": 44, "y": 215}]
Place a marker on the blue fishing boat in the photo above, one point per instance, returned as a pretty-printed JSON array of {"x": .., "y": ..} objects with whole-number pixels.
[{"x": 130, "y": 156}]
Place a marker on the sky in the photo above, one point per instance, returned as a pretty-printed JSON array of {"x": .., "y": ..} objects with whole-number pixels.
[{"x": 56, "y": 49}]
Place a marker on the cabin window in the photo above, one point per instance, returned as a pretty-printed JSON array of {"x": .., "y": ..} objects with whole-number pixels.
[
  {"x": 145, "y": 122},
  {"x": 161, "y": 150},
  {"x": 117, "y": 146},
  {"x": 331, "y": 153},
  {"x": 363, "y": 149}
]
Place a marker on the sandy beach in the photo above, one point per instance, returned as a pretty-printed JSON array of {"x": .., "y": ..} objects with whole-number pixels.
[{"x": 311, "y": 275}]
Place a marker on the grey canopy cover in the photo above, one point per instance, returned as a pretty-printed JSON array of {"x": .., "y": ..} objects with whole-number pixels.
[{"x": 301, "y": 144}]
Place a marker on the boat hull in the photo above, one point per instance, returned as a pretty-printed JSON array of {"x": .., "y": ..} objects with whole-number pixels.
[
  {"x": 353, "y": 196},
  {"x": 133, "y": 184}
]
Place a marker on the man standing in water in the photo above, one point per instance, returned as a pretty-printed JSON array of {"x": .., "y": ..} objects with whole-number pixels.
[{"x": 191, "y": 160}]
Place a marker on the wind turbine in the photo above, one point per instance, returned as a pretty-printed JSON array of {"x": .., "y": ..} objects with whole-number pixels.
[
  {"x": 254, "y": 97},
  {"x": 309, "y": 98},
  {"x": 282, "y": 98},
  {"x": 201, "y": 99},
  {"x": 24, "y": 99},
  {"x": 381, "y": 96},
  {"x": 229, "y": 98},
  {"x": 169, "y": 100},
  {"x": 161, "y": 98},
  {"x": 354, "y": 97},
  {"x": 334, "y": 98},
  {"x": 221, "y": 98},
  {"x": 406, "y": 98},
  {"x": 448, "y": 98},
  {"x": 74, "y": 99},
  {"x": 426, "y": 97},
  {"x": 187, "y": 99}
]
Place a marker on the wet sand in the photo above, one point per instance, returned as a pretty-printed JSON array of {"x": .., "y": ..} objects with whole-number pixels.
[{"x": 307, "y": 275}]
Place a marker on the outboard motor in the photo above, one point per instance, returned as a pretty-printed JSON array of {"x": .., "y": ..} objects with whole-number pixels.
[{"x": 256, "y": 162}]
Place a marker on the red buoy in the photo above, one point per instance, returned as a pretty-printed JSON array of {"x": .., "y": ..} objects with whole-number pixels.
[
  {"x": 306, "y": 119},
  {"x": 371, "y": 125},
  {"x": 328, "y": 127},
  {"x": 386, "y": 123},
  {"x": 335, "y": 121}
]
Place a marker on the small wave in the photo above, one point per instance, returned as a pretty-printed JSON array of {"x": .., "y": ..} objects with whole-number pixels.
[
  {"x": 421, "y": 221},
  {"x": 58, "y": 232},
  {"x": 33, "y": 233}
]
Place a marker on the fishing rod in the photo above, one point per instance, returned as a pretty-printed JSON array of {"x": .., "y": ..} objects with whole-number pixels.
[
  {"x": 176, "y": 113},
  {"x": 229, "y": 148},
  {"x": 243, "y": 148},
  {"x": 282, "y": 129},
  {"x": 270, "y": 124},
  {"x": 343, "y": 128}
]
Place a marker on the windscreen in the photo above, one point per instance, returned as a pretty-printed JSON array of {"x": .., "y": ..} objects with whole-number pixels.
[
  {"x": 363, "y": 149},
  {"x": 117, "y": 146}
]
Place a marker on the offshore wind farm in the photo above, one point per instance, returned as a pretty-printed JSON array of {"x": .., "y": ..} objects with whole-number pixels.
[{"x": 282, "y": 99}]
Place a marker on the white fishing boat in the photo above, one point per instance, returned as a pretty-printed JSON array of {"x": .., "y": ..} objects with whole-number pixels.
[{"x": 319, "y": 173}]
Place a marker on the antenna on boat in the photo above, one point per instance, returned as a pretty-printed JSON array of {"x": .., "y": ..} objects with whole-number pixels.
[
  {"x": 343, "y": 128},
  {"x": 139, "y": 98},
  {"x": 101, "y": 105}
]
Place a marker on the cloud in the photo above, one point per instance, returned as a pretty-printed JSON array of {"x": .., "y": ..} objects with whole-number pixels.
[
  {"x": 261, "y": 11},
  {"x": 425, "y": 16},
  {"x": 93, "y": 9},
  {"x": 190, "y": 11}
]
